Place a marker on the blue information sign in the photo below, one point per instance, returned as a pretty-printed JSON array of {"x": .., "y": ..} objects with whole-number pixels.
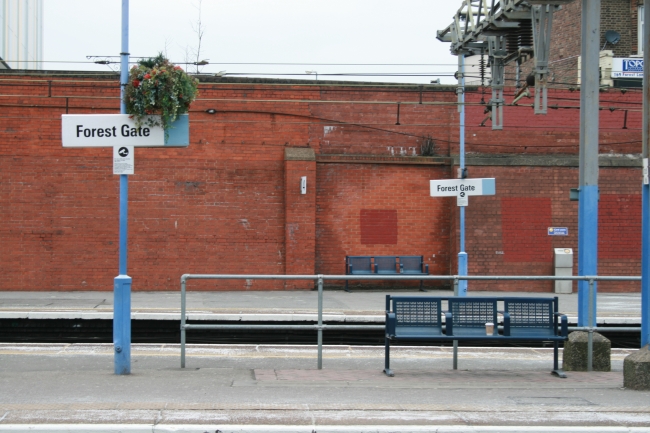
[{"x": 558, "y": 231}]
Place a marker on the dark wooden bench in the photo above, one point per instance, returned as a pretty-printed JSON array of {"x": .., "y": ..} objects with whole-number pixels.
[
  {"x": 420, "y": 318},
  {"x": 385, "y": 265}
]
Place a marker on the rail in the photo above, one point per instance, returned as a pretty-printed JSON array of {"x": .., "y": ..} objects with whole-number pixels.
[{"x": 320, "y": 326}]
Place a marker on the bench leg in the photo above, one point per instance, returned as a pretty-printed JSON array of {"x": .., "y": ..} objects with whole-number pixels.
[
  {"x": 422, "y": 289},
  {"x": 346, "y": 286},
  {"x": 387, "y": 369},
  {"x": 556, "y": 366}
]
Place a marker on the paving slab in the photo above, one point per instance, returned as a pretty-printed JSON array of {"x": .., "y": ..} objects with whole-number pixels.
[{"x": 253, "y": 387}]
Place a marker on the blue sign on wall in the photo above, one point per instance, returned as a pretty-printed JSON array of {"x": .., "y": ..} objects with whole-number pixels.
[{"x": 558, "y": 231}]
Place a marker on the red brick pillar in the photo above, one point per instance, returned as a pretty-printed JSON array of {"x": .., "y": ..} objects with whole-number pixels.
[{"x": 300, "y": 216}]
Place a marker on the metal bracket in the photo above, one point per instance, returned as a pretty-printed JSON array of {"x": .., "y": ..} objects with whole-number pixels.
[
  {"x": 542, "y": 20},
  {"x": 574, "y": 194},
  {"x": 480, "y": 26},
  {"x": 497, "y": 52}
]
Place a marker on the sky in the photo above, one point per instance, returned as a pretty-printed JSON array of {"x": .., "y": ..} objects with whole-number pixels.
[{"x": 325, "y": 36}]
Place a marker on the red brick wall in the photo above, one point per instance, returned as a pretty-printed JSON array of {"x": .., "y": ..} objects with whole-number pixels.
[
  {"x": 507, "y": 233},
  {"x": 230, "y": 203},
  {"x": 524, "y": 223},
  {"x": 300, "y": 230},
  {"x": 396, "y": 199},
  {"x": 557, "y": 132},
  {"x": 619, "y": 218},
  {"x": 371, "y": 123},
  {"x": 378, "y": 226}
]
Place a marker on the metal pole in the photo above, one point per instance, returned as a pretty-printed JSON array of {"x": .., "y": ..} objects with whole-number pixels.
[
  {"x": 320, "y": 322},
  {"x": 588, "y": 199},
  {"x": 645, "y": 188},
  {"x": 462, "y": 255},
  {"x": 590, "y": 339},
  {"x": 183, "y": 309},
  {"x": 455, "y": 362},
  {"x": 122, "y": 284}
]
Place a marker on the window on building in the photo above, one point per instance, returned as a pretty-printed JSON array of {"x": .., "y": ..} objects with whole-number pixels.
[{"x": 640, "y": 28}]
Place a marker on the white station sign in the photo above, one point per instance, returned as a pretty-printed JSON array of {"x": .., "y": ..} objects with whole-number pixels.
[
  {"x": 462, "y": 188},
  {"x": 108, "y": 130},
  {"x": 453, "y": 187}
]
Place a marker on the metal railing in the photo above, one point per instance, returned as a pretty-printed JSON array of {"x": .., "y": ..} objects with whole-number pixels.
[{"x": 320, "y": 326}]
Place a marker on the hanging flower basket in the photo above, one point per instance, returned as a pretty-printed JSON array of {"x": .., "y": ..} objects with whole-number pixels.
[{"x": 158, "y": 91}]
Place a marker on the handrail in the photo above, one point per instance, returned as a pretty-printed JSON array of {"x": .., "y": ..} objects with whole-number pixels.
[
  {"x": 320, "y": 326},
  {"x": 186, "y": 277}
]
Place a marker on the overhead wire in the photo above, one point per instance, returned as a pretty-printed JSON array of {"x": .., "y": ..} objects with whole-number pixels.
[{"x": 552, "y": 83}]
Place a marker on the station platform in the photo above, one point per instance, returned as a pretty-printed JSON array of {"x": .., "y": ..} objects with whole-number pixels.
[
  {"x": 340, "y": 306},
  {"x": 265, "y": 388},
  {"x": 228, "y": 388}
]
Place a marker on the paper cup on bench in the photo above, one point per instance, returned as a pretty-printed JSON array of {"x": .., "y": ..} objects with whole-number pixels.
[{"x": 489, "y": 328}]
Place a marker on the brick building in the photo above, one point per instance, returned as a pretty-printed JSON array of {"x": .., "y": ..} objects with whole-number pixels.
[
  {"x": 231, "y": 202},
  {"x": 620, "y": 16}
]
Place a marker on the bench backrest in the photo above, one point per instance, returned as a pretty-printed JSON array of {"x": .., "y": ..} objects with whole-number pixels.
[
  {"x": 410, "y": 264},
  {"x": 411, "y": 311},
  {"x": 385, "y": 264},
  {"x": 473, "y": 312},
  {"x": 359, "y": 264},
  {"x": 531, "y": 313}
]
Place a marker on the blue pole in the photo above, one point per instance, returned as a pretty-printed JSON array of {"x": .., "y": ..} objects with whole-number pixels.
[
  {"x": 587, "y": 250},
  {"x": 122, "y": 283},
  {"x": 462, "y": 255},
  {"x": 645, "y": 258},
  {"x": 645, "y": 189}
]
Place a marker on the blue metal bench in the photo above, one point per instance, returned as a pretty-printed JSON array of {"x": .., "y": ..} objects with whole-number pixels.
[
  {"x": 413, "y": 265},
  {"x": 385, "y": 265},
  {"x": 357, "y": 265},
  {"x": 419, "y": 318}
]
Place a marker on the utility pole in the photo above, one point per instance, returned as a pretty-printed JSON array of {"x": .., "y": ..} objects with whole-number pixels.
[
  {"x": 588, "y": 197},
  {"x": 462, "y": 255},
  {"x": 645, "y": 188}
]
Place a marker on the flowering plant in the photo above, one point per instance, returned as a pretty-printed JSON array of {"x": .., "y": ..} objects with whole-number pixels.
[{"x": 158, "y": 87}]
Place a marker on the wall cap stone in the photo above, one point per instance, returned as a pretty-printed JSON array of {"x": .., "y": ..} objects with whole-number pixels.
[
  {"x": 604, "y": 160},
  {"x": 380, "y": 159}
]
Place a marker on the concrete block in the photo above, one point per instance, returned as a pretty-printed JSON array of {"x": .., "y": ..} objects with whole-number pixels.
[
  {"x": 574, "y": 356},
  {"x": 636, "y": 370}
]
